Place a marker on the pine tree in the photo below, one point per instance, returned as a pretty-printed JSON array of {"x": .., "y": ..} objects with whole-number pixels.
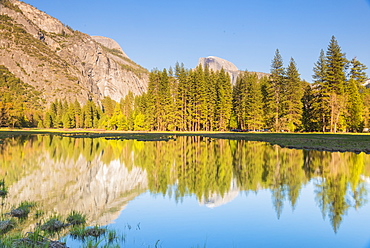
[
  {"x": 153, "y": 100},
  {"x": 253, "y": 103},
  {"x": 311, "y": 118},
  {"x": 108, "y": 106},
  {"x": 247, "y": 101},
  {"x": 275, "y": 93},
  {"x": 355, "y": 96},
  {"x": 211, "y": 82},
  {"x": 334, "y": 80},
  {"x": 182, "y": 96},
  {"x": 268, "y": 102},
  {"x": 127, "y": 108},
  {"x": 239, "y": 102},
  {"x": 167, "y": 101},
  {"x": 224, "y": 100},
  {"x": 355, "y": 108},
  {"x": 91, "y": 115},
  {"x": 357, "y": 71},
  {"x": 48, "y": 120},
  {"x": 293, "y": 96},
  {"x": 320, "y": 94},
  {"x": 78, "y": 114}
]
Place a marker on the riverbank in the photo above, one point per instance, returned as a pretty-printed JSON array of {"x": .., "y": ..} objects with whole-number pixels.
[{"x": 343, "y": 142}]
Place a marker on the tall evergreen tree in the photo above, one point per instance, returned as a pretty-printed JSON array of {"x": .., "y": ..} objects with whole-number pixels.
[
  {"x": 78, "y": 113},
  {"x": 355, "y": 96},
  {"x": 275, "y": 96},
  {"x": 211, "y": 82},
  {"x": 357, "y": 71},
  {"x": 153, "y": 101},
  {"x": 293, "y": 97},
  {"x": 239, "y": 102},
  {"x": 182, "y": 95},
  {"x": 320, "y": 94},
  {"x": 224, "y": 100},
  {"x": 247, "y": 101},
  {"x": 335, "y": 79},
  {"x": 355, "y": 107}
]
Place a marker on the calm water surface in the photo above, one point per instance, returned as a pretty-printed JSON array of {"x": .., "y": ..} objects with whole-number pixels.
[{"x": 194, "y": 191}]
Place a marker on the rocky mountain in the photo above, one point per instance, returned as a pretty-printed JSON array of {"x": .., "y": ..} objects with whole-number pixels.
[
  {"x": 61, "y": 62},
  {"x": 216, "y": 64}
]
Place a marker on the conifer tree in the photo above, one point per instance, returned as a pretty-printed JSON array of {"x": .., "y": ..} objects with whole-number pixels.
[
  {"x": 357, "y": 71},
  {"x": 153, "y": 101},
  {"x": 108, "y": 106},
  {"x": 239, "y": 102},
  {"x": 320, "y": 94},
  {"x": 355, "y": 108},
  {"x": 334, "y": 80},
  {"x": 78, "y": 117},
  {"x": 274, "y": 94},
  {"x": 166, "y": 106},
  {"x": 355, "y": 96},
  {"x": 310, "y": 116},
  {"x": 293, "y": 95},
  {"x": 247, "y": 101},
  {"x": 254, "y": 111},
  {"x": 182, "y": 95},
  {"x": 211, "y": 82},
  {"x": 224, "y": 100}
]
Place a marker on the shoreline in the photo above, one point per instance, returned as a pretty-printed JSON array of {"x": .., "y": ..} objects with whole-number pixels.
[{"x": 342, "y": 142}]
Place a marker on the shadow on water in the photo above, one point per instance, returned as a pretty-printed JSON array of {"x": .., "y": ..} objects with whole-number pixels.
[{"x": 100, "y": 176}]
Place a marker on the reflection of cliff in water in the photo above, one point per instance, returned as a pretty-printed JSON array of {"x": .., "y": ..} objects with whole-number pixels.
[
  {"x": 99, "y": 176},
  {"x": 90, "y": 186},
  {"x": 215, "y": 200}
]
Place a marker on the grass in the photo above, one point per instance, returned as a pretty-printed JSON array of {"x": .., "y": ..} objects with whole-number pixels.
[
  {"x": 76, "y": 218},
  {"x": 3, "y": 189},
  {"x": 48, "y": 234}
]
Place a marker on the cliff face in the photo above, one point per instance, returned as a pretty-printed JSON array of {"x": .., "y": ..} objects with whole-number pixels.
[
  {"x": 63, "y": 63},
  {"x": 216, "y": 64}
]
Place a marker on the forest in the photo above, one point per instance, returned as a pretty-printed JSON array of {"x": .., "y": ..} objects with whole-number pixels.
[{"x": 200, "y": 99}]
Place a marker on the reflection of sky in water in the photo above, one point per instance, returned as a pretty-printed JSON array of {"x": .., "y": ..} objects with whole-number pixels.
[
  {"x": 108, "y": 180},
  {"x": 247, "y": 221}
]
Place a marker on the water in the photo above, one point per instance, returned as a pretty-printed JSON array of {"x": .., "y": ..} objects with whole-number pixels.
[{"x": 195, "y": 192}]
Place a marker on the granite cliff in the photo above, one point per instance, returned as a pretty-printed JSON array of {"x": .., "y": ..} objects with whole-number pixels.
[
  {"x": 61, "y": 62},
  {"x": 216, "y": 64}
]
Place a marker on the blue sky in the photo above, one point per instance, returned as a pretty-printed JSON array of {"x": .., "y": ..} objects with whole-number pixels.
[{"x": 157, "y": 34}]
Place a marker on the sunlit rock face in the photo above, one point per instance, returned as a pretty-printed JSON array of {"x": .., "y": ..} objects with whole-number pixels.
[
  {"x": 109, "y": 43},
  {"x": 216, "y": 64},
  {"x": 100, "y": 191},
  {"x": 63, "y": 63}
]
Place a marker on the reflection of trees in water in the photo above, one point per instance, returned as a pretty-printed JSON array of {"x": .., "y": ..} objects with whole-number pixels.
[
  {"x": 338, "y": 184},
  {"x": 208, "y": 167},
  {"x": 64, "y": 174}
]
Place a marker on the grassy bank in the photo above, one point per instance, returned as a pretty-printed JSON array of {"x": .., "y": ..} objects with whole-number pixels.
[{"x": 315, "y": 141}]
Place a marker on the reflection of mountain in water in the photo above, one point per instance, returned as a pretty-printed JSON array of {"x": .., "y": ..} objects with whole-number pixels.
[
  {"x": 92, "y": 187},
  {"x": 216, "y": 200},
  {"x": 99, "y": 177}
]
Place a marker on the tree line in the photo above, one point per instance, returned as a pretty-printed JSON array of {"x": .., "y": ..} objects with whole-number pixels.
[{"x": 200, "y": 99}]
